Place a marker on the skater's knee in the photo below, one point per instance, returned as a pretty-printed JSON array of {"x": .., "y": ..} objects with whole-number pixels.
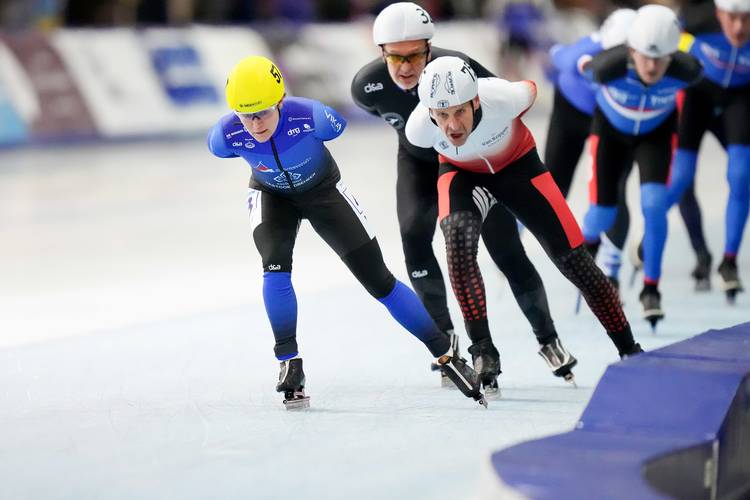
[
  {"x": 461, "y": 229},
  {"x": 367, "y": 265},
  {"x": 276, "y": 257},
  {"x": 653, "y": 199},
  {"x": 598, "y": 219},
  {"x": 417, "y": 245}
]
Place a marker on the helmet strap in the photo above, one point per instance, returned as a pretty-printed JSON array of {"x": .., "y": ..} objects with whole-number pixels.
[{"x": 476, "y": 115}]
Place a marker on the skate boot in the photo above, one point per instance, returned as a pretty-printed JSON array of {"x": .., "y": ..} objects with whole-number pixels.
[
  {"x": 560, "y": 361},
  {"x": 444, "y": 380},
  {"x": 702, "y": 271},
  {"x": 730, "y": 279},
  {"x": 486, "y": 361},
  {"x": 651, "y": 301},
  {"x": 292, "y": 384},
  {"x": 636, "y": 349},
  {"x": 462, "y": 375}
]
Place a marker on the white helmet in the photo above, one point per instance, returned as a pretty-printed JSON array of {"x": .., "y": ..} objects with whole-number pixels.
[
  {"x": 614, "y": 29},
  {"x": 655, "y": 31},
  {"x": 733, "y": 5},
  {"x": 447, "y": 81},
  {"x": 400, "y": 22}
]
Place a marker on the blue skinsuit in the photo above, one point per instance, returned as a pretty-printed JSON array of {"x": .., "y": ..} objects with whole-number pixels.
[
  {"x": 636, "y": 109},
  {"x": 291, "y": 164},
  {"x": 726, "y": 67}
]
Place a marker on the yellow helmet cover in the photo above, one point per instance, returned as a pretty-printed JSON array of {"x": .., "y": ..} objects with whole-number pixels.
[{"x": 254, "y": 84}]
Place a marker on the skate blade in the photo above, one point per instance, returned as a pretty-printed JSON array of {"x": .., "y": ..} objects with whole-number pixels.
[
  {"x": 732, "y": 295},
  {"x": 492, "y": 391},
  {"x": 653, "y": 321},
  {"x": 571, "y": 379},
  {"x": 731, "y": 289},
  {"x": 298, "y": 402},
  {"x": 491, "y": 388},
  {"x": 482, "y": 400}
]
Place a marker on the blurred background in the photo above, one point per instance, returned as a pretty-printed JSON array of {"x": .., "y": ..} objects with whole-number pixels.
[{"x": 114, "y": 69}]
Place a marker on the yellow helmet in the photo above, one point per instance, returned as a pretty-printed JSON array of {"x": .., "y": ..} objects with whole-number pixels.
[{"x": 254, "y": 84}]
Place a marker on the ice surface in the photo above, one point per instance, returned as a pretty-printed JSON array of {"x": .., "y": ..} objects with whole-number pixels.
[{"x": 136, "y": 360}]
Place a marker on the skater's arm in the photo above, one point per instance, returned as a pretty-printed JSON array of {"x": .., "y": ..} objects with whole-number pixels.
[
  {"x": 328, "y": 123},
  {"x": 607, "y": 66},
  {"x": 686, "y": 68},
  {"x": 359, "y": 95},
  {"x": 565, "y": 58},
  {"x": 514, "y": 98},
  {"x": 217, "y": 144}
]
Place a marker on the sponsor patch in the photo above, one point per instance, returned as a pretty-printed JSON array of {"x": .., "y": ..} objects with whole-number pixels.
[{"x": 373, "y": 87}]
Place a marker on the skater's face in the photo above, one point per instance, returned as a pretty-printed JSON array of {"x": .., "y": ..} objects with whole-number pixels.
[
  {"x": 262, "y": 124},
  {"x": 735, "y": 25},
  {"x": 456, "y": 122},
  {"x": 405, "y": 61},
  {"x": 650, "y": 69}
]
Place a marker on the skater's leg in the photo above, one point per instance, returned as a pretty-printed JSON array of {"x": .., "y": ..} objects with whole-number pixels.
[
  {"x": 654, "y": 208},
  {"x": 274, "y": 223},
  {"x": 463, "y": 206},
  {"x": 462, "y": 230},
  {"x": 340, "y": 221},
  {"x": 738, "y": 176},
  {"x": 504, "y": 246},
  {"x": 690, "y": 211},
  {"x": 566, "y": 135},
  {"x": 528, "y": 190},
  {"x": 416, "y": 203},
  {"x": 613, "y": 241},
  {"x": 611, "y": 160}
]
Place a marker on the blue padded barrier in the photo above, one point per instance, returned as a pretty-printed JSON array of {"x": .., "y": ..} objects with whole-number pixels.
[{"x": 672, "y": 423}]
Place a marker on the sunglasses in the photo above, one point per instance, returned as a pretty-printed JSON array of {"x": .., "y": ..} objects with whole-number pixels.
[
  {"x": 410, "y": 58},
  {"x": 263, "y": 113}
]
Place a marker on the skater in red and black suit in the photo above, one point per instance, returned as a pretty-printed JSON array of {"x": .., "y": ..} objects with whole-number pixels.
[{"x": 488, "y": 157}]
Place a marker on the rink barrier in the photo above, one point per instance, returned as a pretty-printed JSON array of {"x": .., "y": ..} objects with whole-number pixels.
[{"x": 671, "y": 423}]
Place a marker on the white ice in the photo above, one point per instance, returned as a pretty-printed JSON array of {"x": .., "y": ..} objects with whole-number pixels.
[{"x": 136, "y": 359}]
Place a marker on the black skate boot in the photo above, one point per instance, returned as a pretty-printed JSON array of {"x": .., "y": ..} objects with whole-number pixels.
[
  {"x": 444, "y": 380},
  {"x": 730, "y": 279},
  {"x": 636, "y": 349},
  {"x": 702, "y": 271},
  {"x": 462, "y": 375},
  {"x": 651, "y": 301},
  {"x": 560, "y": 361},
  {"x": 292, "y": 384},
  {"x": 486, "y": 361}
]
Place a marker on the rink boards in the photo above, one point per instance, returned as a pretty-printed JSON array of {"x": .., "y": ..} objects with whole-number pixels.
[{"x": 672, "y": 423}]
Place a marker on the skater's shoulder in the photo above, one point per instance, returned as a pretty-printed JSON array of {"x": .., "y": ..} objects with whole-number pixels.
[
  {"x": 609, "y": 64},
  {"x": 420, "y": 130},
  {"x": 685, "y": 67},
  {"x": 371, "y": 76}
]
